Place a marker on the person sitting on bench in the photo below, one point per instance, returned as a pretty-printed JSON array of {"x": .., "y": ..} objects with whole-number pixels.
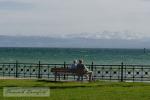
[
  {"x": 73, "y": 66},
  {"x": 83, "y": 70}
]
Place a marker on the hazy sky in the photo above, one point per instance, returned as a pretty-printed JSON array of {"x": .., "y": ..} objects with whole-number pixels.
[{"x": 59, "y": 17}]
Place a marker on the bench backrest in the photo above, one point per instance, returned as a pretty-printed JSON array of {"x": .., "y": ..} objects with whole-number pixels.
[
  {"x": 66, "y": 70},
  {"x": 60, "y": 70}
]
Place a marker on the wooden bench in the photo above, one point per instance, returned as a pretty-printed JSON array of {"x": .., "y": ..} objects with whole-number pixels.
[{"x": 65, "y": 71}]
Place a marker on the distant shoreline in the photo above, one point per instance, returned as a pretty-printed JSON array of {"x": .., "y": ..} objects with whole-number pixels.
[{"x": 75, "y": 48}]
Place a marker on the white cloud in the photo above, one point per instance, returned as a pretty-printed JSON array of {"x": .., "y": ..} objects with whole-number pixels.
[
  {"x": 125, "y": 35},
  {"x": 61, "y": 17},
  {"x": 9, "y": 5}
]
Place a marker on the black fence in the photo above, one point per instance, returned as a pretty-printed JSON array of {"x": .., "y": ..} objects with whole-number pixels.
[{"x": 120, "y": 72}]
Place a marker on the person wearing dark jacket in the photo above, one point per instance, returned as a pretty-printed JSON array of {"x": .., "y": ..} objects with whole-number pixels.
[{"x": 83, "y": 70}]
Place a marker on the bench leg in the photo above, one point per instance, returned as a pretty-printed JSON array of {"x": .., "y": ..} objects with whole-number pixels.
[
  {"x": 74, "y": 77},
  {"x": 55, "y": 77},
  {"x": 82, "y": 78},
  {"x": 90, "y": 77},
  {"x": 59, "y": 77}
]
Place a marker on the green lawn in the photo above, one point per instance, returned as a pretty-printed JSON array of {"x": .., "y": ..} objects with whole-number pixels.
[{"x": 82, "y": 91}]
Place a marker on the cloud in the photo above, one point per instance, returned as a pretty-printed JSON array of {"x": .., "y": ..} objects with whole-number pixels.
[
  {"x": 125, "y": 35},
  {"x": 36, "y": 41},
  {"x": 145, "y": 0},
  {"x": 14, "y": 5},
  {"x": 69, "y": 18}
]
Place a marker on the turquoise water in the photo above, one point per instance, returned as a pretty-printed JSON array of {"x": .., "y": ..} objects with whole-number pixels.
[{"x": 59, "y": 55}]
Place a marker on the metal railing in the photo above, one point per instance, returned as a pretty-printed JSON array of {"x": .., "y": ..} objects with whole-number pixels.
[{"x": 120, "y": 72}]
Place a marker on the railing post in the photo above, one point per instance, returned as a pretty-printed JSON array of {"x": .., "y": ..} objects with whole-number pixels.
[
  {"x": 92, "y": 66},
  {"x": 3, "y": 70},
  {"x": 133, "y": 73},
  {"x": 16, "y": 68},
  {"x": 64, "y": 67},
  {"x": 39, "y": 70},
  {"x": 122, "y": 72}
]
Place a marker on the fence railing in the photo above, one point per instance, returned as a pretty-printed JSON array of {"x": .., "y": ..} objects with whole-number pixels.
[{"x": 120, "y": 72}]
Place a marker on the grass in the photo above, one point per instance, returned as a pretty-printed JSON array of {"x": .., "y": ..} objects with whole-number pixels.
[{"x": 99, "y": 90}]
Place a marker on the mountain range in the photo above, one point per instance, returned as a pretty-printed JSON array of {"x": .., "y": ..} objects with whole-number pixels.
[{"x": 69, "y": 41}]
